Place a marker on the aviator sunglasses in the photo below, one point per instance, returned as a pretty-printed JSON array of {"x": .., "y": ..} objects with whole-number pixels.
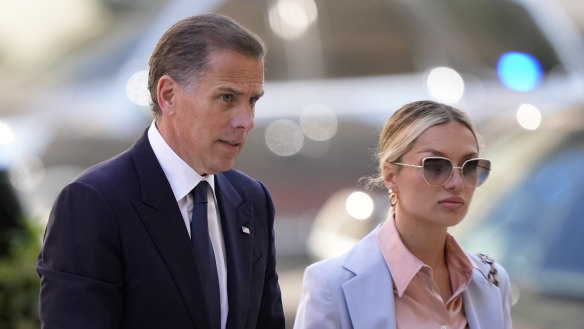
[{"x": 437, "y": 170}]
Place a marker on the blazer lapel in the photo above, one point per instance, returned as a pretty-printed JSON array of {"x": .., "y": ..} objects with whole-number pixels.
[
  {"x": 369, "y": 295},
  {"x": 480, "y": 302},
  {"x": 236, "y": 215},
  {"x": 163, "y": 221}
]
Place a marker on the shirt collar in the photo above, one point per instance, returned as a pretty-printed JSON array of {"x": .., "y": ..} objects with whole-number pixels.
[
  {"x": 182, "y": 177},
  {"x": 404, "y": 266},
  {"x": 460, "y": 266}
]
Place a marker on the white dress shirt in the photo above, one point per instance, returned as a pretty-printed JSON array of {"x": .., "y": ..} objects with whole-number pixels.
[{"x": 183, "y": 179}]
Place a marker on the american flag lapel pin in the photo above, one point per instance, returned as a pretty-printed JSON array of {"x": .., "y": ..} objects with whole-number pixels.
[{"x": 245, "y": 230}]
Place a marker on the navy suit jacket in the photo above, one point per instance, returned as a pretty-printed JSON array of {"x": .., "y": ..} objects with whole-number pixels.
[{"x": 116, "y": 252}]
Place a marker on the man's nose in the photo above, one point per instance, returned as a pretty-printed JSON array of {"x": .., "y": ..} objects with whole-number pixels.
[{"x": 244, "y": 118}]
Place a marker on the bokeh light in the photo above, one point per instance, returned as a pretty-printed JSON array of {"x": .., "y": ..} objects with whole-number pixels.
[
  {"x": 445, "y": 85},
  {"x": 528, "y": 116},
  {"x": 35, "y": 33},
  {"x": 289, "y": 19},
  {"x": 318, "y": 122},
  {"x": 137, "y": 88},
  {"x": 519, "y": 71},
  {"x": 359, "y": 205},
  {"x": 28, "y": 173},
  {"x": 284, "y": 137},
  {"x": 6, "y": 134}
]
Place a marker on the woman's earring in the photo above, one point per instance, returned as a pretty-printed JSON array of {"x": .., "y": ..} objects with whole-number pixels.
[{"x": 393, "y": 198}]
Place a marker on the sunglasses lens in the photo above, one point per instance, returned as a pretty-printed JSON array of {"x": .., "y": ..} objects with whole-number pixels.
[
  {"x": 437, "y": 170},
  {"x": 476, "y": 171}
]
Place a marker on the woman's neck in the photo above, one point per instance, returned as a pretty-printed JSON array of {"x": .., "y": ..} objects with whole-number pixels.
[{"x": 423, "y": 239}]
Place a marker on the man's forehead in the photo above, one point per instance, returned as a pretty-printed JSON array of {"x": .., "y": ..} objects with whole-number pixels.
[{"x": 237, "y": 73}]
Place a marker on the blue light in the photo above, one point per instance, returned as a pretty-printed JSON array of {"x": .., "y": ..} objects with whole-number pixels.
[{"x": 519, "y": 71}]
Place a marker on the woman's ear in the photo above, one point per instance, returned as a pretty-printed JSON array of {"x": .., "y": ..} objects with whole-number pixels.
[
  {"x": 389, "y": 177},
  {"x": 167, "y": 91}
]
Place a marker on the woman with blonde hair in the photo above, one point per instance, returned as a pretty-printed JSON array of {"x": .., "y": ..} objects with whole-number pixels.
[{"x": 409, "y": 272}]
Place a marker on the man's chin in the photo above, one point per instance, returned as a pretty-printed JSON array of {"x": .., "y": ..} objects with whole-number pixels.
[{"x": 224, "y": 166}]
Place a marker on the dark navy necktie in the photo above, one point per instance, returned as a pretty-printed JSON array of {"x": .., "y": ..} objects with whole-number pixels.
[{"x": 204, "y": 254}]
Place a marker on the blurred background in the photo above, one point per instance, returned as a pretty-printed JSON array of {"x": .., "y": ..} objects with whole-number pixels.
[{"x": 73, "y": 93}]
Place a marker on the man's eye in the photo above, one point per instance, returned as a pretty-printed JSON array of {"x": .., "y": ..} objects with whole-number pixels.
[
  {"x": 253, "y": 100},
  {"x": 226, "y": 98}
]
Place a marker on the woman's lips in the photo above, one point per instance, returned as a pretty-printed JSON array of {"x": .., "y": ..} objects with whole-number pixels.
[{"x": 452, "y": 203}]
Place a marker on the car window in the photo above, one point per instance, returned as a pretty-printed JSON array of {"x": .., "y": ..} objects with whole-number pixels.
[
  {"x": 540, "y": 219},
  {"x": 567, "y": 169}
]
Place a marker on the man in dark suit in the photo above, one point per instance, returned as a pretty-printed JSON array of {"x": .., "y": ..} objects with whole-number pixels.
[{"x": 123, "y": 246}]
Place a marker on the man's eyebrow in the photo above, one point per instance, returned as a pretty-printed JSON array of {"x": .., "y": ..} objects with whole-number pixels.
[
  {"x": 237, "y": 92},
  {"x": 230, "y": 90}
]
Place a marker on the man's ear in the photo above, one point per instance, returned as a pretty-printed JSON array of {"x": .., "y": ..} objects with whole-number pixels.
[
  {"x": 389, "y": 175},
  {"x": 167, "y": 91}
]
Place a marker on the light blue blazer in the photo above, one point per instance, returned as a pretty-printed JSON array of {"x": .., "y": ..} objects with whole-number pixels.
[{"x": 354, "y": 291}]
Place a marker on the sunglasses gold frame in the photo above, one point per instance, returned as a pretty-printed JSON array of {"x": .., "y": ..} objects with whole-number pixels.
[{"x": 488, "y": 162}]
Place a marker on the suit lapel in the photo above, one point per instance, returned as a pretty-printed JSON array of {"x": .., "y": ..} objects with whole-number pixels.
[
  {"x": 163, "y": 221},
  {"x": 236, "y": 213},
  {"x": 369, "y": 295},
  {"x": 480, "y": 300}
]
